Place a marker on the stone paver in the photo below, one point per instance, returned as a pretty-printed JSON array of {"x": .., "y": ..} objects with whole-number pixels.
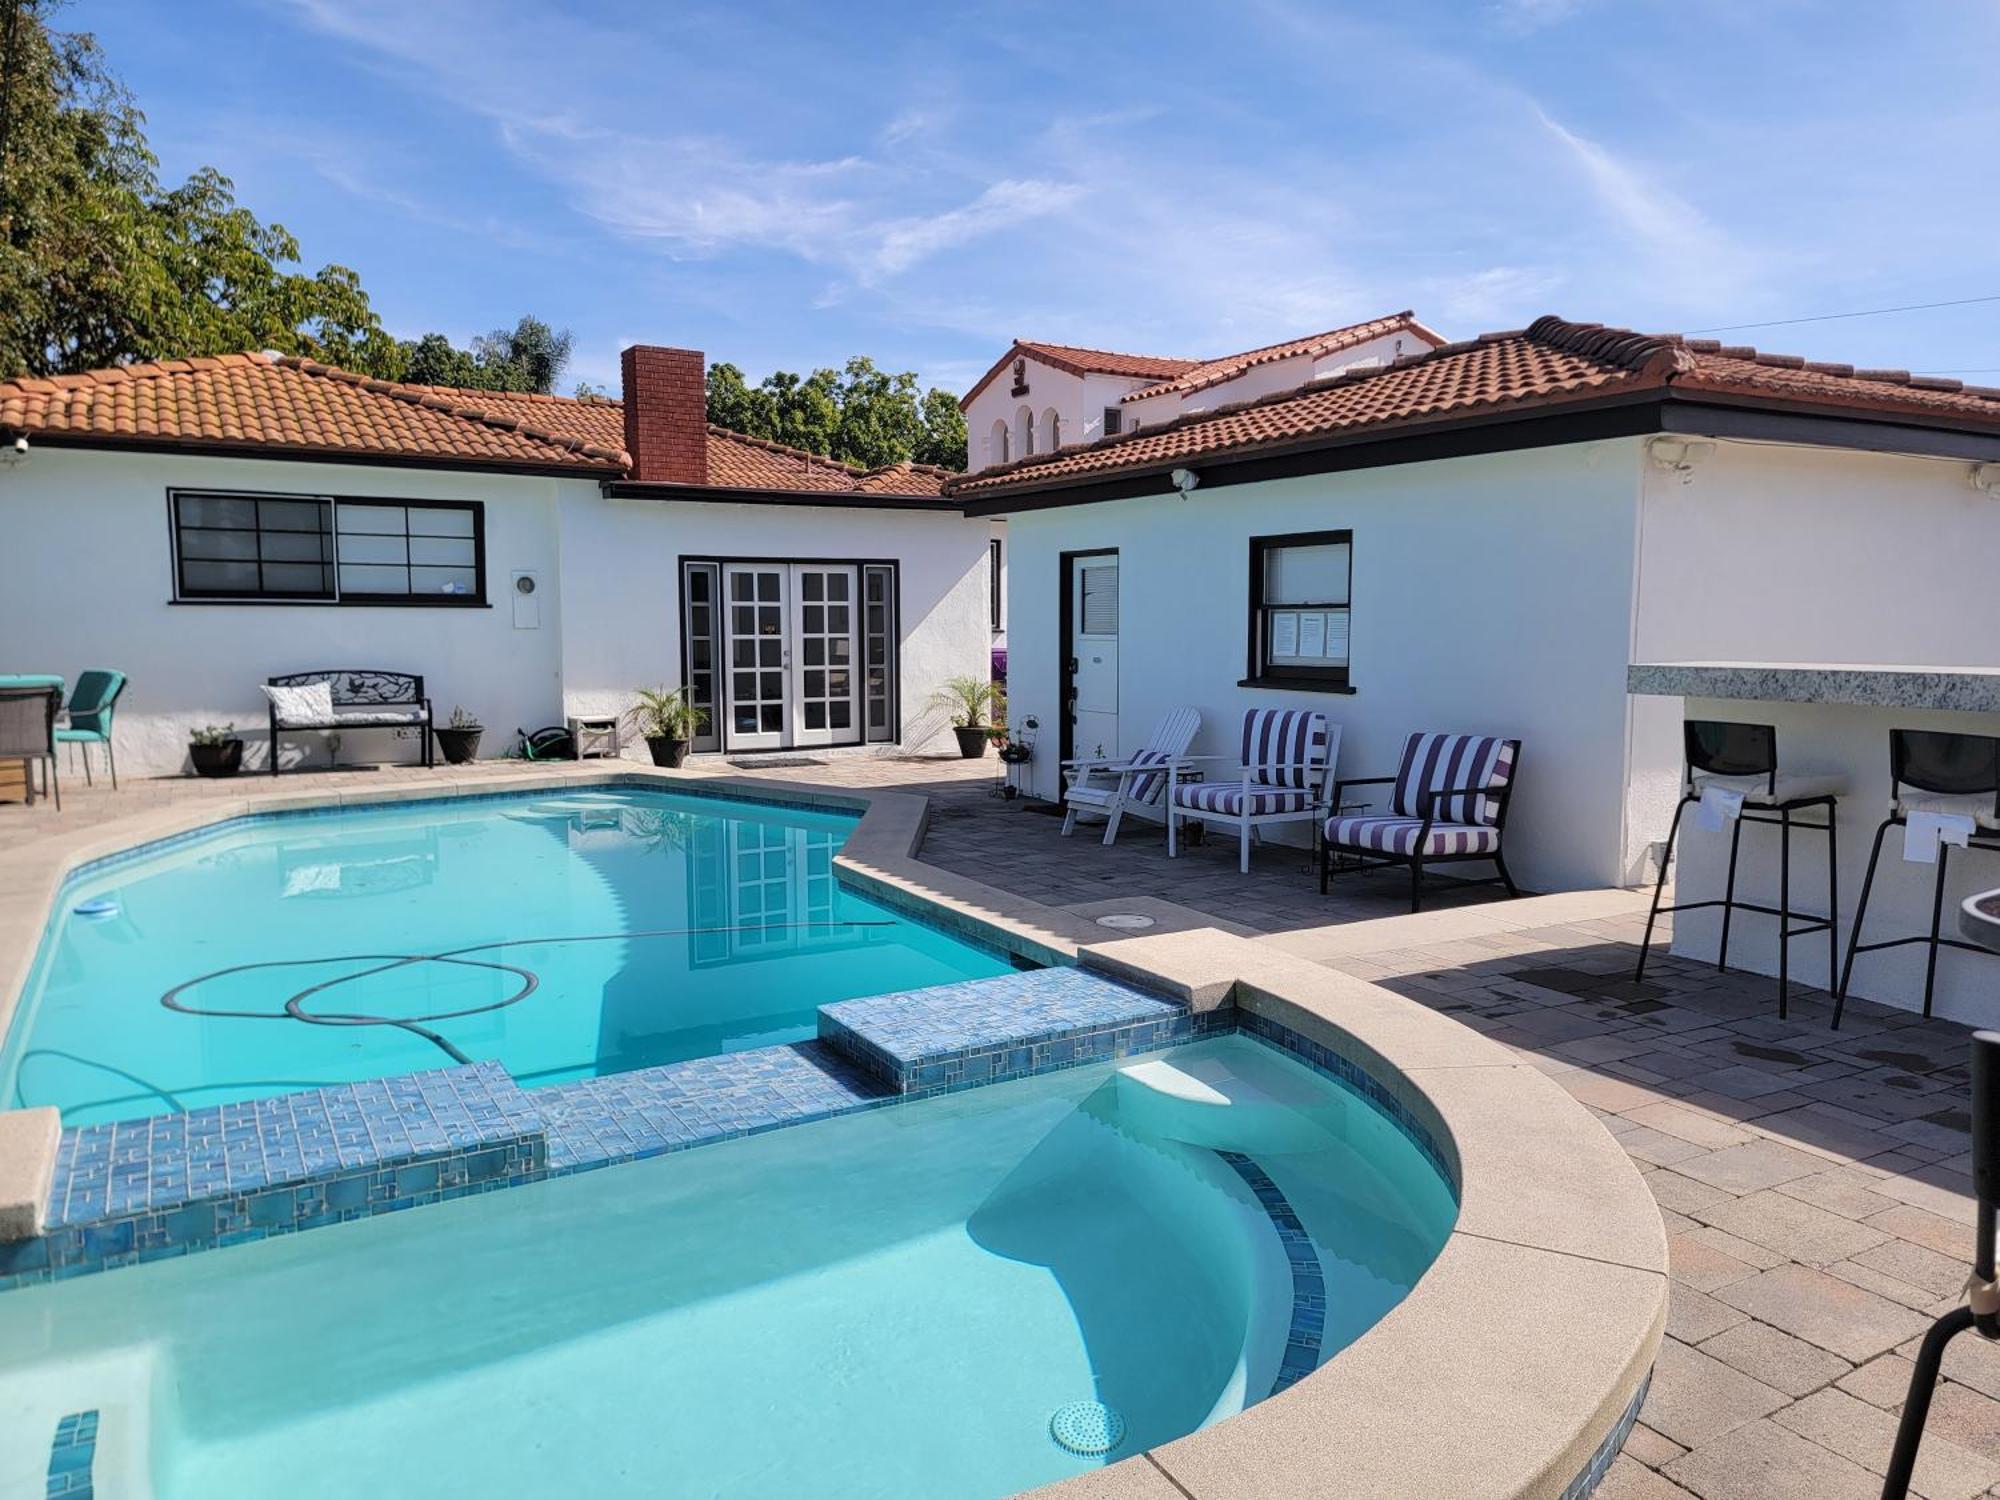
[{"x": 1814, "y": 1183}]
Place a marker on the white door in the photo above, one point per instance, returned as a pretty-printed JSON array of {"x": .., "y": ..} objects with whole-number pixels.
[
  {"x": 826, "y": 687},
  {"x": 758, "y": 655},
  {"x": 1093, "y": 649}
]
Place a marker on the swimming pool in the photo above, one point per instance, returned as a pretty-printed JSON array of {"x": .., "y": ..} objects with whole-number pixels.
[
  {"x": 897, "y": 1302},
  {"x": 567, "y": 936}
]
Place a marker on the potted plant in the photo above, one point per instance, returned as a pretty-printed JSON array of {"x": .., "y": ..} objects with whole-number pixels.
[
  {"x": 215, "y": 750},
  {"x": 459, "y": 740},
  {"x": 669, "y": 720},
  {"x": 969, "y": 700}
]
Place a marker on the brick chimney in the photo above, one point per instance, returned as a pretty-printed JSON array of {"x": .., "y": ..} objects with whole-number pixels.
[{"x": 666, "y": 414}]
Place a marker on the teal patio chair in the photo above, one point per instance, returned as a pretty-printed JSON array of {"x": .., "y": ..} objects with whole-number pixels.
[{"x": 89, "y": 723}]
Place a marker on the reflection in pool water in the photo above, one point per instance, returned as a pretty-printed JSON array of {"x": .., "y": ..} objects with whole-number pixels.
[{"x": 747, "y": 932}]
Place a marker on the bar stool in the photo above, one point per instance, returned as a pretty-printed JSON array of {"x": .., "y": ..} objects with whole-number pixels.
[
  {"x": 1937, "y": 772},
  {"x": 1743, "y": 759}
]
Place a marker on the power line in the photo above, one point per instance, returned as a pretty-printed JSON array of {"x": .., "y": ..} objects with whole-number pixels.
[{"x": 1872, "y": 312}]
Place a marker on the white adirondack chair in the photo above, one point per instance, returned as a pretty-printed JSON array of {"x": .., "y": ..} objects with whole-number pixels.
[
  {"x": 1282, "y": 776},
  {"x": 1141, "y": 783}
]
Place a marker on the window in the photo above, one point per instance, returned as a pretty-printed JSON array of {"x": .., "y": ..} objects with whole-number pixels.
[
  {"x": 996, "y": 444},
  {"x": 1114, "y": 421},
  {"x": 1024, "y": 432},
  {"x": 1299, "y": 609},
  {"x": 1051, "y": 431},
  {"x": 995, "y": 581},
  {"x": 318, "y": 548}
]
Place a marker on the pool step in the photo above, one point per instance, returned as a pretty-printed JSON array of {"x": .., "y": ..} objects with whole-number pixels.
[
  {"x": 982, "y": 1030},
  {"x": 1227, "y": 1099}
]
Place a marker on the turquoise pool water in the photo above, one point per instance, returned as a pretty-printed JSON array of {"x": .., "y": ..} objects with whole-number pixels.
[
  {"x": 653, "y": 927},
  {"x": 888, "y": 1304}
]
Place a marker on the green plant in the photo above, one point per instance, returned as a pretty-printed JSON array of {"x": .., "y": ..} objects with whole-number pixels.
[
  {"x": 212, "y": 734},
  {"x": 969, "y": 700},
  {"x": 462, "y": 718},
  {"x": 670, "y": 714}
]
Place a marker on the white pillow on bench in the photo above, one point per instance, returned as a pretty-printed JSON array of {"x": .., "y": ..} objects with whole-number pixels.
[{"x": 307, "y": 707}]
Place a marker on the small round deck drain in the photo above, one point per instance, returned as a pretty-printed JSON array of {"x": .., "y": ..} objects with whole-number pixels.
[
  {"x": 1087, "y": 1428},
  {"x": 1126, "y": 921}
]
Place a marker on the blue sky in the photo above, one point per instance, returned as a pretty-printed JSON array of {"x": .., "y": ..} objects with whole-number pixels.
[{"x": 783, "y": 185}]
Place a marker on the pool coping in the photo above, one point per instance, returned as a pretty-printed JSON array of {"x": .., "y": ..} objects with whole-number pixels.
[{"x": 1513, "y": 1368}]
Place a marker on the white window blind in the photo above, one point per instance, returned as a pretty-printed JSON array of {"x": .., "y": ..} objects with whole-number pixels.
[{"x": 1100, "y": 600}]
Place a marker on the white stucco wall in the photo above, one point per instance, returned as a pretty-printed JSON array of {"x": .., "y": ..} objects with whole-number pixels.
[
  {"x": 1489, "y": 595},
  {"x": 1078, "y": 400},
  {"x": 86, "y": 580},
  {"x": 621, "y": 589},
  {"x": 1785, "y": 554}
]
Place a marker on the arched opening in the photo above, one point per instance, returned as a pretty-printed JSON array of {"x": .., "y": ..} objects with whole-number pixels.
[
  {"x": 1024, "y": 432},
  {"x": 996, "y": 442},
  {"x": 1051, "y": 431}
]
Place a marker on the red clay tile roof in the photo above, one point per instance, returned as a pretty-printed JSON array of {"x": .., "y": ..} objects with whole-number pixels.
[
  {"x": 261, "y": 403},
  {"x": 1079, "y": 361},
  {"x": 1316, "y": 345},
  {"x": 1550, "y": 363}
]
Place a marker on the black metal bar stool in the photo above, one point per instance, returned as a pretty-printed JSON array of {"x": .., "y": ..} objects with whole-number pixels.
[
  {"x": 1931, "y": 771},
  {"x": 1743, "y": 758}
]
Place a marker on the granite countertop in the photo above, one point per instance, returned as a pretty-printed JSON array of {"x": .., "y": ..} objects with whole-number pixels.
[{"x": 1961, "y": 689}]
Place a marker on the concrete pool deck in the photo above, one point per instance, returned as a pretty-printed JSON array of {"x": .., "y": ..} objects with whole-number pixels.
[{"x": 1812, "y": 1186}]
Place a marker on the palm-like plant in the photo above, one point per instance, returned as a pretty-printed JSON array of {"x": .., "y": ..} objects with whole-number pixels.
[
  {"x": 670, "y": 714},
  {"x": 969, "y": 700}
]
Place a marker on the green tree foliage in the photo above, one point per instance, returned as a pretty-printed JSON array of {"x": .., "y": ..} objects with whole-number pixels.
[
  {"x": 99, "y": 263},
  {"x": 859, "y": 414},
  {"x": 530, "y": 356}
]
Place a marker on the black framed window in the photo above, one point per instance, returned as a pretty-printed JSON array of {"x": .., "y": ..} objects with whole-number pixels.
[
  {"x": 246, "y": 548},
  {"x": 1300, "y": 588},
  {"x": 997, "y": 593},
  {"x": 1114, "y": 421},
  {"x": 253, "y": 546}
]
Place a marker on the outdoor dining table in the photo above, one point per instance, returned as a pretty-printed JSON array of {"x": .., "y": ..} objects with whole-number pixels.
[{"x": 17, "y": 777}]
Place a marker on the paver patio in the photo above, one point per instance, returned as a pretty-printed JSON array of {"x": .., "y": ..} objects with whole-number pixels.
[{"x": 1814, "y": 1184}]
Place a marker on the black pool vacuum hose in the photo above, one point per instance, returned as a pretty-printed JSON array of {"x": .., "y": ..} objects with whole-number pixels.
[
  {"x": 1982, "y": 1310},
  {"x": 384, "y": 963}
]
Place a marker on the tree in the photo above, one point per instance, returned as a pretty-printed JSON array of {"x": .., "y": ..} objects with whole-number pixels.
[
  {"x": 943, "y": 442},
  {"x": 528, "y": 357},
  {"x": 859, "y": 414},
  {"x": 100, "y": 264}
]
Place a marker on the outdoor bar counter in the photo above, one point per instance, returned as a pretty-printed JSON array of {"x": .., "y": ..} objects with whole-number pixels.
[{"x": 1835, "y": 718}]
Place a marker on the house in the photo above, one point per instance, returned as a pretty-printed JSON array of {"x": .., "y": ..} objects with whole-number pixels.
[
  {"x": 205, "y": 524},
  {"x": 1485, "y": 536},
  {"x": 1039, "y": 397}
]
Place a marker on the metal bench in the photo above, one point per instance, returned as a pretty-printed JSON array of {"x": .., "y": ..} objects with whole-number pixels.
[{"x": 361, "y": 700}]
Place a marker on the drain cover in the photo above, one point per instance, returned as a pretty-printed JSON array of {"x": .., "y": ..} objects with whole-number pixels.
[
  {"x": 98, "y": 908},
  {"x": 1087, "y": 1428},
  {"x": 1125, "y": 921}
]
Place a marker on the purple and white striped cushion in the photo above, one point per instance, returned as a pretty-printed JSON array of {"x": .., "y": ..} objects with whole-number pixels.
[
  {"x": 1234, "y": 800},
  {"x": 1399, "y": 836},
  {"x": 1147, "y": 786},
  {"x": 1284, "y": 746},
  {"x": 1435, "y": 762}
]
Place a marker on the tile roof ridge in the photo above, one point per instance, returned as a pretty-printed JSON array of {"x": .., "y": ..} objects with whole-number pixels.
[
  {"x": 1660, "y": 355},
  {"x": 424, "y": 396},
  {"x": 1165, "y": 359},
  {"x": 1314, "y": 344},
  {"x": 853, "y": 471},
  {"x": 1750, "y": 354}
]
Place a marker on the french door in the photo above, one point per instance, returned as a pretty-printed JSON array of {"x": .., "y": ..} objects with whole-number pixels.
[{"x": 793, "y": 640}]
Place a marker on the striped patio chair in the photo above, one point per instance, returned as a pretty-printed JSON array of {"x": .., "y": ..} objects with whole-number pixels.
[
  {"x": 1449, "y": 804},
  {"x": 1280, "y": 776},
  {"x": 1138, "y": 783}
]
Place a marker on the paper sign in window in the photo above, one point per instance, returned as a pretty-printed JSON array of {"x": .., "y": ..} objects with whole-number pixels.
[{"x": 1285, "y": 634}]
